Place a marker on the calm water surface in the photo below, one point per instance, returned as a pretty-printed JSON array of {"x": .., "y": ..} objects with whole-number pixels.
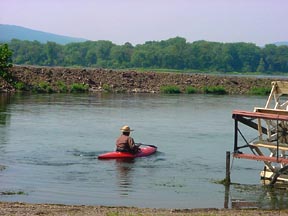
[{"x": 49, "y": 145}]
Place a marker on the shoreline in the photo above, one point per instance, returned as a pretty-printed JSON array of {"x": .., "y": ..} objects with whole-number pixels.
[
  {"x": 19, "y": 208},
  {"x": 127, "y": 81}
]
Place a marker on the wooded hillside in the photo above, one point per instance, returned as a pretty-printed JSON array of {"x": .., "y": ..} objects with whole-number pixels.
[{"x": 175, "y": 53}]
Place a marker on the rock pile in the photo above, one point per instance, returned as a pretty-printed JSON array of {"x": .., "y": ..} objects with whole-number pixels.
[{"x": 128, "y": 81}]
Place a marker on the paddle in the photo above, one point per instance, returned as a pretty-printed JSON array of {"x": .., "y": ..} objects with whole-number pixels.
[{"x": 146, "y": 145}]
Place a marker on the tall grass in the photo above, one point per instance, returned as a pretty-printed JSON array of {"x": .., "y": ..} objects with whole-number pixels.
[
  {"x": 259, "y": 91},
  {"x": 170, "y": 89},
  {"x": 219, "y": 90},
  {"x": 20, "y": 86},
  {"x": 190, "y": 90},
  {"x": 78, "y": 87},
  {"x": 62, "y": 87},
  {"x": 43, "y": 87}
]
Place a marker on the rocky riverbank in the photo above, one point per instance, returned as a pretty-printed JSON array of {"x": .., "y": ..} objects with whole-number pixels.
[
  {"x": 15, "y": 209},
  {"x": 130, "y": 81}
]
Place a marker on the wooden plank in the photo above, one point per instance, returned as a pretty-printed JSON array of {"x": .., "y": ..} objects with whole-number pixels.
[
  {"x": 261, "y": 158},
  {"x": 271, "y": 111},
  {"x": 267, "y": 163},
  {"x": 249, "y": 114},
  {"x": 269, "y": 175},
  {"x": 281, "y": 87},
  {"x": 271, "y": 146}
]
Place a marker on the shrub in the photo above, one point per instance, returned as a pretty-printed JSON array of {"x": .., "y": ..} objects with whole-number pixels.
[
  {"x": 78, "y": 87},
  {"x": 219, "y": 90},
  {"x": 61, "y": 86},
  {"x": 43, "y": 87},
  {"x": 170, "y": 89},
  {"x": 190, "y": 90},
  {"x": 106, "y": 88},
  {"x": 259, "y": 91},
  {"x": 20, "y": 86}
]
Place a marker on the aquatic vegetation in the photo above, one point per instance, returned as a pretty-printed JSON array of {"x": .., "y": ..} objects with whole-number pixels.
[
  {"x": 190, "y": 90},
  {"x": 2, "y": 167},
  {"x": 106, "y": 88},
  {"x": 20, "y": 86},
  {"x": 224, "y": 182},
  {"x": 113, "y": 214},
  {"x": 170, "y": 89},
  {"x": 12, "y": 193},
  {"x": 219, "y": 90},
  {"x": 43, "y": 87},
  {"x": 62, "y": 87},
  {"x": 78, "y": 87},
  {"x": 260, "y": 91}
]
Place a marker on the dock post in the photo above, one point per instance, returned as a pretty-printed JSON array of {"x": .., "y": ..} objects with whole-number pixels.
[{"x": 228, "y": 180}]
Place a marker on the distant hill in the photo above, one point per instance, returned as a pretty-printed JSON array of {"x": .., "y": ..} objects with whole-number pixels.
[
  {"x": 281, "y": 43},
  {"x": 9, "y": 32}
]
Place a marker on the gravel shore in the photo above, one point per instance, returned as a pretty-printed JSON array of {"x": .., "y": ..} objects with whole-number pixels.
[{"x": 25, "y": 209}]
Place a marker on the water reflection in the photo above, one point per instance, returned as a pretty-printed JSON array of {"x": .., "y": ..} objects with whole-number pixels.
[
  {"x": 257, "y": 196},
  {"x": 124, "y": 175},
  {"x": 274, "y": 198},
  {"x": 4, "y": 102},
  {"x": 5, "y": 116}
]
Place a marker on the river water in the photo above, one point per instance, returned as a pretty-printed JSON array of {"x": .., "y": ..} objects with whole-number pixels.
[{"x": 49, "y": 144}]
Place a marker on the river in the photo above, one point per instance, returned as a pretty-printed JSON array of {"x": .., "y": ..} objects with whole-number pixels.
[{"x": 49, "y": 145}]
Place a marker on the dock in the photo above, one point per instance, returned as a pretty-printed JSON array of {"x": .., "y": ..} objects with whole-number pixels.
[{"x": 269, "y": 126}]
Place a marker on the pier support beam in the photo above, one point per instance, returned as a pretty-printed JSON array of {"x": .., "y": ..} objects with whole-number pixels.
[{"x": 228, "y": 179}]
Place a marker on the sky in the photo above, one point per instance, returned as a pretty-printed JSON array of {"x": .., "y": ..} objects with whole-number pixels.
[{"x": 138, "y": 21}]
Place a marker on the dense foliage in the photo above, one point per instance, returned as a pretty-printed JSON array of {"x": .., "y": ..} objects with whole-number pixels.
[
  {"x": 5, "y": 61},
  {"x": 175, "y": 53}
]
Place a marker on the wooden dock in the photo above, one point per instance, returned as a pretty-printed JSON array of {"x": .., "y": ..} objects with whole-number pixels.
[{"x": 271, "y": 126}]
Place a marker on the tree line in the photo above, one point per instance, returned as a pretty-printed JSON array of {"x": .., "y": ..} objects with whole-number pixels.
[
  {"x": 5, "y": 62},
  {"x": 175, "y": 53}
]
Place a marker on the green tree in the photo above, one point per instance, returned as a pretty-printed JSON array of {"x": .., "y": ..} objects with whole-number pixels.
[
  {"x": 103, "y": 49},
  {"x": 5, "y": 62},
  {"x": 54, "y": 54},
  {"x": 139, "y": 58},
  {"x": 269, "y": 53},
  {"x": 121, "y": 55},
  {"x": 75, "y": 54},
  {"x": 261, "y": 66}
]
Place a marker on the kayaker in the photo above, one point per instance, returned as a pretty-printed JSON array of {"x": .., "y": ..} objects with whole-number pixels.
[{"x": 125, "y": 143}]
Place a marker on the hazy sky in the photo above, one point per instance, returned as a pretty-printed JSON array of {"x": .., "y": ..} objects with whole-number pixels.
[{"x": 137, "y": 21}]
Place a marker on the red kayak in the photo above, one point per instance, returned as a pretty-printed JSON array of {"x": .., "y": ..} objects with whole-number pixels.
[{"x": 144, "y": 151}]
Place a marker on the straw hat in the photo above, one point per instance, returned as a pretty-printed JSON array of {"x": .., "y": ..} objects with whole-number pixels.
[{"x": 126, "y": 129}]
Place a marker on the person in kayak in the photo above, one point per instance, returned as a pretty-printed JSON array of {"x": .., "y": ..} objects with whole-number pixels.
[{"x": 125, "y": 143}]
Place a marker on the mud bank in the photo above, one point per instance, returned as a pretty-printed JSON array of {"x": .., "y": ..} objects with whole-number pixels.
[{"x": 127, "y": 81}]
